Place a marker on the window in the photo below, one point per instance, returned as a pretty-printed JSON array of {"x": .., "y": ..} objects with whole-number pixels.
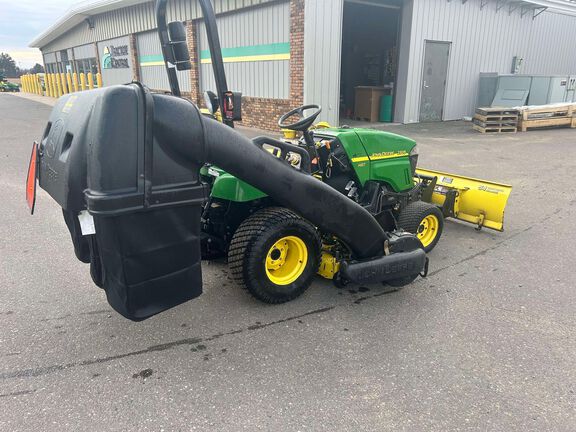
[
  {"x": 51, "y": 68},
  {"x": 86, "y": 65}
]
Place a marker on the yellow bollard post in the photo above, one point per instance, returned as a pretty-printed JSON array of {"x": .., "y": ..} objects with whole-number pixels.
[
  {"x": 99, "y": 79},
  {"x": 75, "y": 81},
  {"x": 90, "y": 78},
  {"x": 52, "y": 87},
  {"x": 47, "y": 85},
  {"x": 58, "y": 84},
  {"x": 53, "y": 91},
  {"x": 69, "y": 82},
  {"x": 63, "y": 80},
  {"x": 82, "y": 82},
  {"x": 55, "y": 82},
  {"x": 23, "y": 82},
  {"x": 34, "y": 84},
  {"x": 40, "y": 89}
]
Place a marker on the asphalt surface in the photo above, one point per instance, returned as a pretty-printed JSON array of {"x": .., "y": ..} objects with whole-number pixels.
[{"x": 485, "y": 343}]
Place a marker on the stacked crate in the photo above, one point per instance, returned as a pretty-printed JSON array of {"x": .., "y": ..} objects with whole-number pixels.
[
  {"x": 562, "y": 115},
  {"x": 495, "y": 120}
]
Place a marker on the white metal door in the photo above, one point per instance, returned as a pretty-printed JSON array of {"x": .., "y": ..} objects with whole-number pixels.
[{"x": 436, "y": 56}]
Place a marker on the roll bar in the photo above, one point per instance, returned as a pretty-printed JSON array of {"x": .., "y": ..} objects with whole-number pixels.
[{"x": 213, "y": 43}]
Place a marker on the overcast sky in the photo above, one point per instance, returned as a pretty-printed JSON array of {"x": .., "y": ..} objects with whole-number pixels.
[{"x": 22, "y": 20}]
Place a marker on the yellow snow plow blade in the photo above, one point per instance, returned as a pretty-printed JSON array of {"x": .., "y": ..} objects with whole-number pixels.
[{"x": 471, "y": 200}]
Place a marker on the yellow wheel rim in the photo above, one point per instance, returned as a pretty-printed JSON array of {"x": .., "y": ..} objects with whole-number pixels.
[
  {"x": 286, "y": 260},
  {"x": 428, "y": 230}
]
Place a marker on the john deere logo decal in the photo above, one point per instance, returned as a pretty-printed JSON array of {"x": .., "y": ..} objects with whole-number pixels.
[{"x": 115, "y": 57}]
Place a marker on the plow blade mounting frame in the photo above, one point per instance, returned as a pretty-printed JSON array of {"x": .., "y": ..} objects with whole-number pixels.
[{"x": 468, "y": 199}]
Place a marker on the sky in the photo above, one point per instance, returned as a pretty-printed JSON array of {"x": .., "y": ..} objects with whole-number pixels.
[{"x": 23, "y": 20}]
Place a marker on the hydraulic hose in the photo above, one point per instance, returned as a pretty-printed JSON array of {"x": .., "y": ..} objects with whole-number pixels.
[{"x": 180, "y": 128}]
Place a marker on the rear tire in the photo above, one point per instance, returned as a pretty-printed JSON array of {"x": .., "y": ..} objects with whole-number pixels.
[
  {"x": 275, "y": 254},
  {"x": 424, "y": 220}
]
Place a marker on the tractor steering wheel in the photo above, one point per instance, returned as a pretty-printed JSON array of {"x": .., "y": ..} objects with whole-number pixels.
[{"x": 304, "y": 123}]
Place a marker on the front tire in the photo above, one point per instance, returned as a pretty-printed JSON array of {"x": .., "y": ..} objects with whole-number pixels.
[
  {"x": 424, "y": 220},
  {"x": 275, "y": 254}
]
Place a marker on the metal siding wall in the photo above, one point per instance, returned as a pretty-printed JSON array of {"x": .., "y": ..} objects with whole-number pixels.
[
  {"x": 50, "y": 58},
  {"x": 552, "y": 47},
  {"x": 116, "y": 76},
  {"x": 85, "y": 51},
  {"x": 402, "y": 81},
  {"x": 262, "y": 25},
  {"x": 322, "y": 56},
  {"x": 155, "y": 76},
  {"x": 482, "y": 41},
  {"x": 138, "y": 18}
]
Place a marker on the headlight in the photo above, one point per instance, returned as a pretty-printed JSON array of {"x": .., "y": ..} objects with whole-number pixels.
[{"x": 414, "y": 159}]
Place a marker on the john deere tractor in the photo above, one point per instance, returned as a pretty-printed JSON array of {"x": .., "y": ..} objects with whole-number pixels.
[
  {"x": 7, "y": 86},
  {"x": 372, "y": 168},
  {"x": 149, "y": 186}
]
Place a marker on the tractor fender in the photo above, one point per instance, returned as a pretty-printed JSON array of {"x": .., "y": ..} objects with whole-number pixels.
[{"x": 230, "y": 188}]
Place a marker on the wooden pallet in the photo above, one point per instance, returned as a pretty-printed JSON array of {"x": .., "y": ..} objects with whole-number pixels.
[
  {"x": 495, "y": 129},
  {"x": 547, "y": 122},
  {"x": 496, "y": 112},
  {"x": 495, "y": 117},
  {"x": 549, "y": 112},
  {"x": 495, "y": 123}
]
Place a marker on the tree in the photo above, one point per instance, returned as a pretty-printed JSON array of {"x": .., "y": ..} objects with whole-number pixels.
[
  {"x": 8, "y": 66},
  {"x": 37, "y": 68}
]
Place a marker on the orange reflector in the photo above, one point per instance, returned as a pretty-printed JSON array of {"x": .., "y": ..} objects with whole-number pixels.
[{"x": 31, "y": 179}]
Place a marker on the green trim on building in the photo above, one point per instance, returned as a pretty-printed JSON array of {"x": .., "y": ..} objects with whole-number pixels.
[
  {"x": 151, "y": 60},
  {"x": 251, "y": 51}
]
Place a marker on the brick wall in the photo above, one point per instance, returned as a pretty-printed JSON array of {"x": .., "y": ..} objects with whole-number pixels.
[
  {"x": 296, "y": 53},
  {"x": 97, "y": 57},
  {"x": 264, "y": 113},
  {"x": 261, "y": 112},
  {"x": 134, "y": 58},
  {"x": 192, "y": 41}
]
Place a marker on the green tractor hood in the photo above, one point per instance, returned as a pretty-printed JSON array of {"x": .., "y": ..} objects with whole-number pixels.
[
  {"x": 378, "y": 155},
  {"x": 375, "y": 155}
]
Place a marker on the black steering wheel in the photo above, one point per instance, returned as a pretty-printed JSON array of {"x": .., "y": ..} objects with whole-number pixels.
[{"x": 304, "y": 123}]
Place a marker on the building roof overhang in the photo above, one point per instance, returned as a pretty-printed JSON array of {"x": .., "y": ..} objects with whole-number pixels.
[
  {"x": 85, "y": 9},
  {"x": 76, "y": 15}
]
